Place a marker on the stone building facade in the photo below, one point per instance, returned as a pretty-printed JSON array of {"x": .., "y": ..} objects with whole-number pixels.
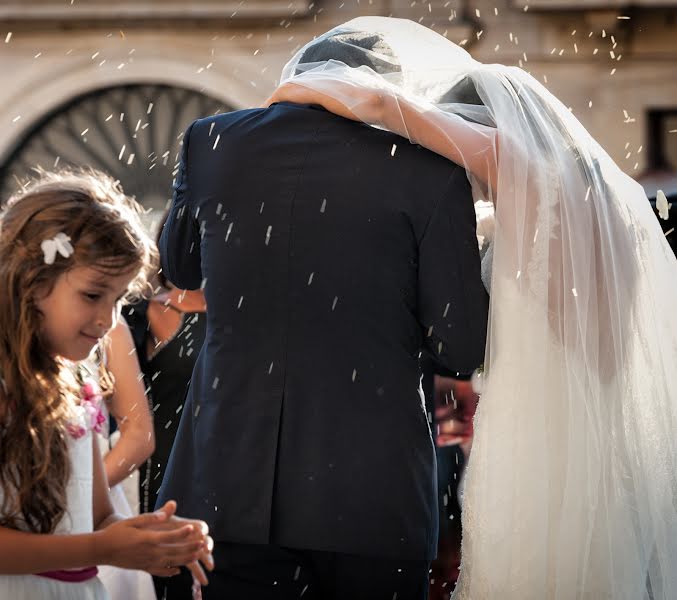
[{"x": 67, "y": 62}]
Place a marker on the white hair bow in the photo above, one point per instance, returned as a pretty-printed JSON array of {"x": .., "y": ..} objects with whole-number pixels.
[{"x": 60, "y": 243}]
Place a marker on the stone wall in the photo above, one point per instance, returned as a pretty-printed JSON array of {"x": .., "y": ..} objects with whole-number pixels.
[{"x": 237, "y": 58}]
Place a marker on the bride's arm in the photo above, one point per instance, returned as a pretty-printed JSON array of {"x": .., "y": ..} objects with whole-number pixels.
[{"x": 473, "y": 146}]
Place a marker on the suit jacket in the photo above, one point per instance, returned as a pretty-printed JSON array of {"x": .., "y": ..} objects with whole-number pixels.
[{"x": 330, "y": 254}]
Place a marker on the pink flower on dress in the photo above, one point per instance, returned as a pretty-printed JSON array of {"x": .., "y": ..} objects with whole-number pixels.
[
  {"x": 88, "y": 414},
  {"x": 90, "y": 390},
  {"x": 91, "y": 400},
  {"x": 75, "y": 430}
]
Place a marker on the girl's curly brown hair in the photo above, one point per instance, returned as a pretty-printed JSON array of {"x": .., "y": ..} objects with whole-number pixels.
[{"x": 36, "y": 388}]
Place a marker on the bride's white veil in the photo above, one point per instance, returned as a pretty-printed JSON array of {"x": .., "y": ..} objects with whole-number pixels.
[{"x": 571, "y": 488}]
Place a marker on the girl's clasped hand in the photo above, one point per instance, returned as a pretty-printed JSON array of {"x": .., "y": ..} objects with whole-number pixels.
[{"x": 159, "y": 543}]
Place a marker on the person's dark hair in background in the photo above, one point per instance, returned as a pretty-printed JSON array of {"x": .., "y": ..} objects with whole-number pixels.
[{"x": 161, "y": 279}]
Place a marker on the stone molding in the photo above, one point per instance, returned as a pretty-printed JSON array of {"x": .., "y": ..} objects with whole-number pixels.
[
  {"x": 33, "y": 101},
  {"x": 138, "y": 10},
  {"x": 585, "y": 5}
]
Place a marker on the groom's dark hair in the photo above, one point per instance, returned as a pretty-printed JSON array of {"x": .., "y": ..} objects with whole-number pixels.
[{"x": 354, "y": 49}]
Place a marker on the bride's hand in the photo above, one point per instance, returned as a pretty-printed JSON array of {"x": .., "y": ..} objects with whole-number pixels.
[
  {"x": 369, "y": 101},
  {"x": 295, "y": 93}
]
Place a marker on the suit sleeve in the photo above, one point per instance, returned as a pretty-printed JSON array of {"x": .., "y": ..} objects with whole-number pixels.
[
  {"x": 452, "y": 301},
  {"x": 180, "y": 240}
]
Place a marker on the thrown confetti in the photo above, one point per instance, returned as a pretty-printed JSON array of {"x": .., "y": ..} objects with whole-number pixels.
[{"x": 662, "y": 205}]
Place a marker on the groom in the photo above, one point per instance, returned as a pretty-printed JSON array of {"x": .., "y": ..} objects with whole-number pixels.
[{"x": 331, "y": 255}]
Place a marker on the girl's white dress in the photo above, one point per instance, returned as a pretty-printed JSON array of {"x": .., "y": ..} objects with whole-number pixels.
[{"x": 78, "y": 519}]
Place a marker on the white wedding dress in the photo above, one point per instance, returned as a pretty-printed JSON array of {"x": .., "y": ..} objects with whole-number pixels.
[{"x": 78, "y": 519}]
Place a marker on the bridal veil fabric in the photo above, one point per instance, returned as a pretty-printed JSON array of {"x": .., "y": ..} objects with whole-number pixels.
[{"x": 571, "y": 489}]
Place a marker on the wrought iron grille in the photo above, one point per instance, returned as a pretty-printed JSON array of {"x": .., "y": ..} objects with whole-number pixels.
[{"x": 131, "y": 132}]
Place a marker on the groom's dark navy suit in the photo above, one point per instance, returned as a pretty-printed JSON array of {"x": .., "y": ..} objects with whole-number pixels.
[{"x": 331, "y": 254}]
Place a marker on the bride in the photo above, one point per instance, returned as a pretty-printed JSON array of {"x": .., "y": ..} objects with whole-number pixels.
[{"x": 571, "y": 489}]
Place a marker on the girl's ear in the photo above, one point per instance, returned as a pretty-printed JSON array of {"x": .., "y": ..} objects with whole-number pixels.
[
  {"x": 44, "y": 289},
  {"x": 37, "y": 298}
]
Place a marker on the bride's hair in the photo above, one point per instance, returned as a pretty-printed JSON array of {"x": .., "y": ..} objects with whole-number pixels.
[{"x": 36, "y": 389}]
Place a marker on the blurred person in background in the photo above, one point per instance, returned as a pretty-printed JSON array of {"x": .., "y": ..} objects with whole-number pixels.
[
  {"x": 451, "y": 403},
  {"x": 126, "y": 441},
  {"x": 168, "y": 331}
]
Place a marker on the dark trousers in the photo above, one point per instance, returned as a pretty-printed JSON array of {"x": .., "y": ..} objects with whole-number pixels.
[
  {"x": 178, "y": 587},
  {"x": 250, "y": 572}
]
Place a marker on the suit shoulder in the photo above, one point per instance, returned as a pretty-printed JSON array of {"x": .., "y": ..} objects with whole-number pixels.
[
  {"x": 224, "y": 120},
  {"x": 423, "y": 156}
]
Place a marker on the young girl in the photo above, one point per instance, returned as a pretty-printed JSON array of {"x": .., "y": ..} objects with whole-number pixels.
[{"x": 71, "y": 249}]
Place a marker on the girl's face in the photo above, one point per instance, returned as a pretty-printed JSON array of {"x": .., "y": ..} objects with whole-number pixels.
[{"x": 80, "y": 309}]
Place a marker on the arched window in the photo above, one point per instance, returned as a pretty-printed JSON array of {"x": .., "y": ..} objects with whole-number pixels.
[{"x": 131, "y": 132}]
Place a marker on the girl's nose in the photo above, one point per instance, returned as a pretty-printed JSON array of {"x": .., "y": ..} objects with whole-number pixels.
[{"x": 105, "y": 320}]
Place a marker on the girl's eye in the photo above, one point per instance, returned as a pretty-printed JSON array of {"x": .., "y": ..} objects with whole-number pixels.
[{"x": 92, "y": 297}]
